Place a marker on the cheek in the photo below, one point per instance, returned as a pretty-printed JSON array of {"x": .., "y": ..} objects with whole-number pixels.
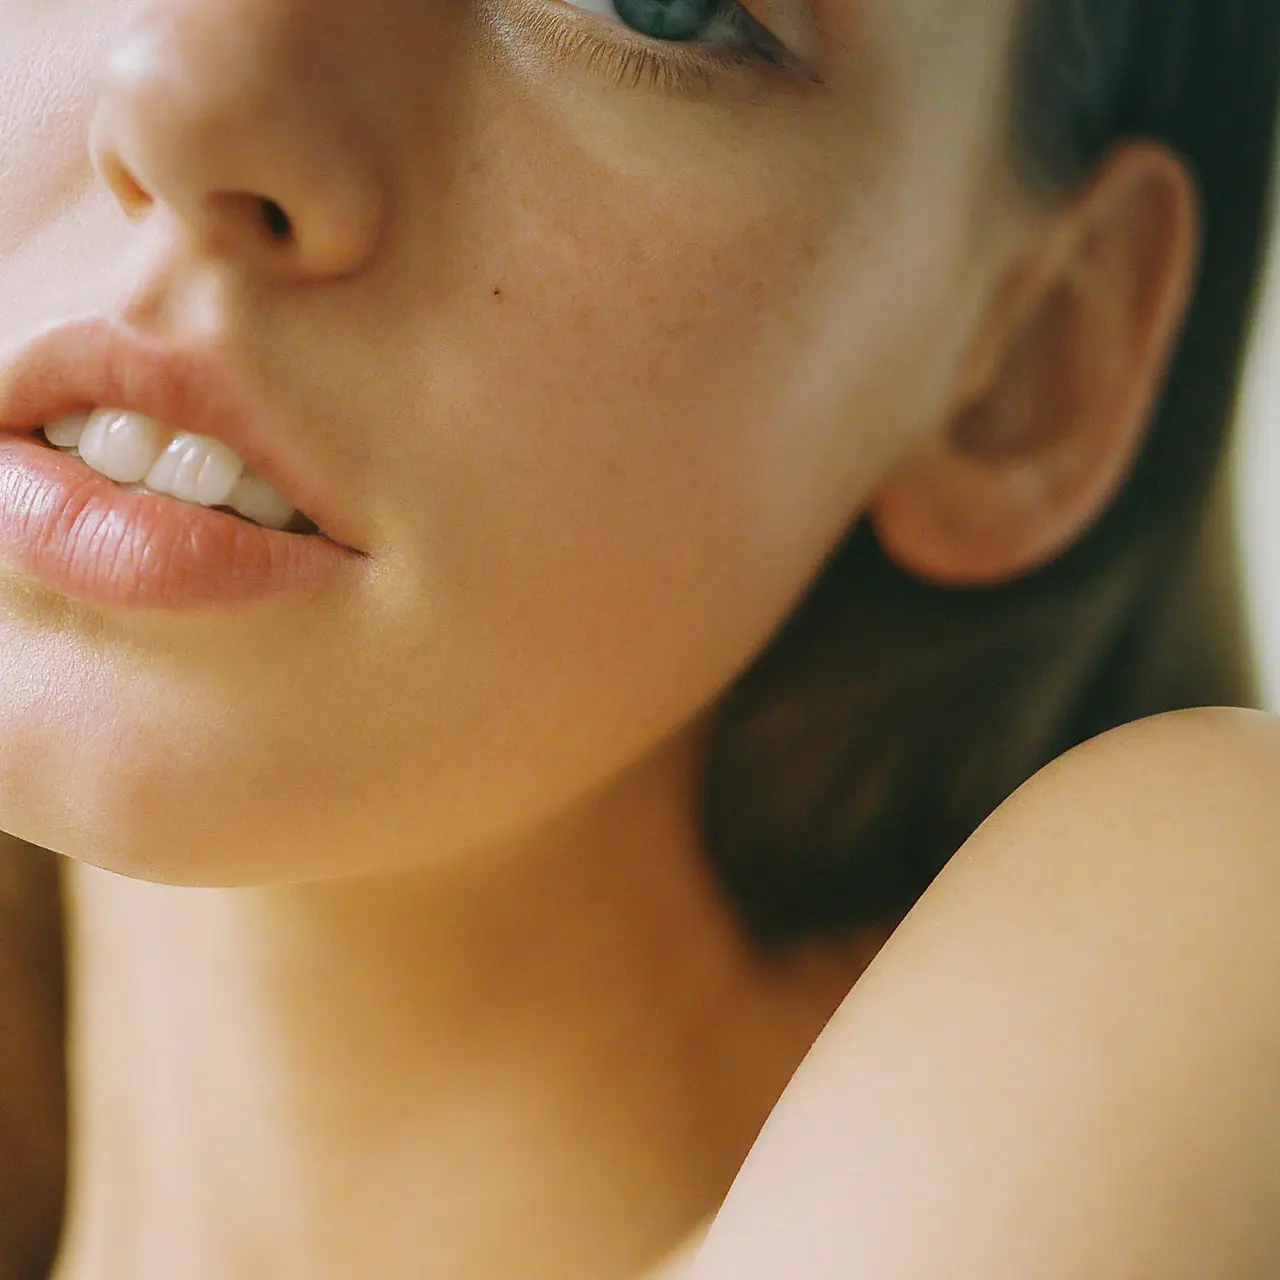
[
  {"x": 49, "y": 56},
  {"x": 624, "y": 413},
  {"x": 636, "y": 419},
  {"x": 37, "y": 108},
  {"x": 608, "y": 410}
]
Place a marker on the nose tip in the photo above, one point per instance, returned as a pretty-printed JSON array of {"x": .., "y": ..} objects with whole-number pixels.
[{"x": 217, "y": 125}]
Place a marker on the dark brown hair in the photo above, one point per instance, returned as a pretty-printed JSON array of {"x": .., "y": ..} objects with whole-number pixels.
[{"x": 889, "y": 718}]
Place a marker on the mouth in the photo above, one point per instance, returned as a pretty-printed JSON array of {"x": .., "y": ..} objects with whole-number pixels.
[
  {"x": 184, "y": 423},
  {"x": 143, "y": 456},
  {"x": 125, "y": 545}
]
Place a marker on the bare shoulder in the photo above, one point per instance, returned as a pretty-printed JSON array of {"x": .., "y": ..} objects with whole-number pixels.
[
  {"x": 1153, "y": 811},
  {"x": 1064, "y": 1062},
  {"x": 1185, "y": 761}
]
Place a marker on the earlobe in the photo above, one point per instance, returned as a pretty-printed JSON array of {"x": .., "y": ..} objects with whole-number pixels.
[{"x": 1034, "y": 450}]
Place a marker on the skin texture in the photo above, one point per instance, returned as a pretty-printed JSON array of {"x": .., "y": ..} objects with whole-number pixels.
[
  {"x": 532, "y": 509},
  {"x": 602, "y": 361}
]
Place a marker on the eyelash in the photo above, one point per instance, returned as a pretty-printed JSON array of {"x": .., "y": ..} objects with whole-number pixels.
[{"x": 636, "y": 61}]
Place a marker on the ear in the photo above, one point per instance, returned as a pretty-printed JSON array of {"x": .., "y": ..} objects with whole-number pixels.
[{"x": 1055, "y": 396}]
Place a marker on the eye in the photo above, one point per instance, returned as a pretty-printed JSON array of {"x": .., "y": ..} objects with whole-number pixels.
[
  {"x": 707, "y": 21},
  {"x": 660, "y": 19},
  {"x": 674, "y": 46}
]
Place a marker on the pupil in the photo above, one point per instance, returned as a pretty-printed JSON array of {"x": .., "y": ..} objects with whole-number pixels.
[{"x": 667, "y": 19}]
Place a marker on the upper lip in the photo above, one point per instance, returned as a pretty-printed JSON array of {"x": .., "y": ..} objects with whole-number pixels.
[{"x": 96, "y": 364}]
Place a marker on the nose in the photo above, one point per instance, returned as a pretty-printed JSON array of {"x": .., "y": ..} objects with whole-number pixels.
[{"x": 230, "y": 115}]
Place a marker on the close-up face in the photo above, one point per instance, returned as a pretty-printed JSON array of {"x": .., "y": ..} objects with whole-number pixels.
[{"x": 590, "y": 345}]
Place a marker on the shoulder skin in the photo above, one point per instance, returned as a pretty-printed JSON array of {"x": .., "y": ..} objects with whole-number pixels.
[{"x": 1066, "y": 1062}]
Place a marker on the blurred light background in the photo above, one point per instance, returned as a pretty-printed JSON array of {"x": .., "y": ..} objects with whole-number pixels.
[{"x": 1257, "y": 480}]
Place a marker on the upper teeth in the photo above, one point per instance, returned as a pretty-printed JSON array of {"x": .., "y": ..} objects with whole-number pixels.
[{"x": 136, "y": 450}]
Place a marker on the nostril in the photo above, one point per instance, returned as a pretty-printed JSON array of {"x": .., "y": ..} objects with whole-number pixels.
[
  {"x": 247, "y": 217},
  {"x": 278, "y": 223},
  {"x": 131, "y": 195}
]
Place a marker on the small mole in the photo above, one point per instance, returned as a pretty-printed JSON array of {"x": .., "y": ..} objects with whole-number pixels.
[{"x": 497, "y": 291}]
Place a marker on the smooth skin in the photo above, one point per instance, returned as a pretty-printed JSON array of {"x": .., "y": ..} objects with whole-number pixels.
[
  {"x": 1063, "y": 1064},
  {"x": 394, "y": 951}
]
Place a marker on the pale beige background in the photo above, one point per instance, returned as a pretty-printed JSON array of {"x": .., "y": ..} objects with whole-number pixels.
[{"x": 1257, "y": 477}]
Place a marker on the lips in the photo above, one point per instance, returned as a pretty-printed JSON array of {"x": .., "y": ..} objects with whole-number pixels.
[
  {"x": 96, "y": 364},
  {"x": 86, "y": 537},
  {"x": 83, "y": 535}
]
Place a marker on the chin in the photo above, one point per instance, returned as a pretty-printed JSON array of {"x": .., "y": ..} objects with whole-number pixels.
[
  {"x": 121, "y": 814},
  {"x": 133, "y": 850}
]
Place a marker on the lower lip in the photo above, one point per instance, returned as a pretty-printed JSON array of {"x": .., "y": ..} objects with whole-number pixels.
[{"x": 84, "y": 536}]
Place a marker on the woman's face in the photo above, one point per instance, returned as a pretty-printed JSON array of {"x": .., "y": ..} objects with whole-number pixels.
[{"x": 601, "y": 342}]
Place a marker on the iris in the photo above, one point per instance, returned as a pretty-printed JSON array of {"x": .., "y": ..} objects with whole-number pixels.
[{"x": 667, "y": 19}]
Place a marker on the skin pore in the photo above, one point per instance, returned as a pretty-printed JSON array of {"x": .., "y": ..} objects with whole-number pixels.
[{"x": 601, "y": 355}]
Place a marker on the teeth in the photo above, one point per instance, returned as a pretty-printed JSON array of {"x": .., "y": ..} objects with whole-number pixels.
[
  {"x": 66, "y": 432},
  {"x": 255, "y": 499},
  {"x": 196, "y": 469},
  {"x": 136, "y": 451},
  {"x": 121, "y": 446}
]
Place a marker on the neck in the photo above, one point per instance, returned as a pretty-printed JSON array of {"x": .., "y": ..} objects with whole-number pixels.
[{"x": 550, "y": 1061}]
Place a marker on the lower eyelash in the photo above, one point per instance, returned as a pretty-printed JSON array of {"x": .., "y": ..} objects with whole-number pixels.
[{"x": 634, "y": 62}]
